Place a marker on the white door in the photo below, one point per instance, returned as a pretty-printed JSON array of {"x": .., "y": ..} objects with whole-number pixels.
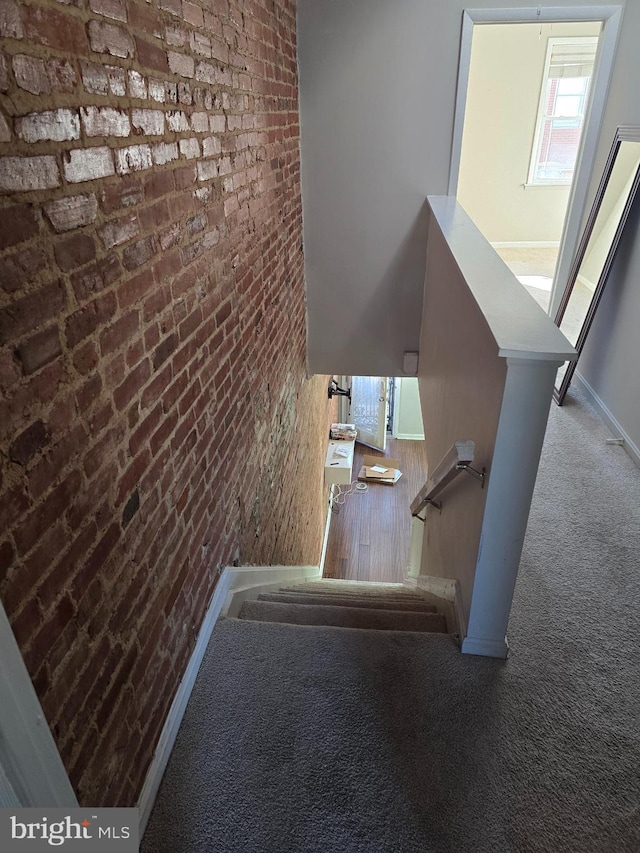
[{"x": 369, "y": 401}]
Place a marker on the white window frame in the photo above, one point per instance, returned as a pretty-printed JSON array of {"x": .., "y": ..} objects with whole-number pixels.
[{"x": 532, "y": 180}]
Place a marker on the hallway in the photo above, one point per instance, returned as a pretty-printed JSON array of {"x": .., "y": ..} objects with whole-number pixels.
[{"x": 369, "y": 535}]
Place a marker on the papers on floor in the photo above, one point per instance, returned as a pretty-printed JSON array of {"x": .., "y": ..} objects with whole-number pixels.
[{"x": 373, "y": 472}]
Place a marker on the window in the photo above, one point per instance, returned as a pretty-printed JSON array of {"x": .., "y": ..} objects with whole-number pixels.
[{"x": 563, "y": 103}]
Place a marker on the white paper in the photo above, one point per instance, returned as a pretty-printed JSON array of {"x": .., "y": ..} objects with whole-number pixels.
[{"x": 379, "y": 469}]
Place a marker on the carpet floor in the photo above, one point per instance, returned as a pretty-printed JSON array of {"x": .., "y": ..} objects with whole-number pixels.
[{"x": 306, "y": 739}]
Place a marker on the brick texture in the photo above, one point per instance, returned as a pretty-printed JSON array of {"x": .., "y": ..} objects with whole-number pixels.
[{"x": 157, "y": 419}]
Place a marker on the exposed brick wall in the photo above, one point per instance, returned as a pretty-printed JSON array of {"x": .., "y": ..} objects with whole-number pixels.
[{"x": 157, "y": 421}]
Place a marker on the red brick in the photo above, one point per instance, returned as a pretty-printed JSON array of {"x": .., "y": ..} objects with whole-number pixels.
[
  {"x": 86, "y": 358},
  {"x": 163, "y": 432},
  {"x": 55, "y": 29},
  {"x": 120, "y": 332},
  {"x": 61, "y": 75},
  {"x": 45, "y": 514},
  {"x": 133, "y": 290},
  {"x": 89, "y": 392},
  {"x": 40, "y": 349},
  {"x": 75, "y": 251},
  {"x": 144, "y": 431},
  {"x": 126, "y": 193},
  {"x": 7, "y": 556},
  {"x": 158, "y": 184},
  {"x": 150, "y": 56},
  {"x": 10, "y": 20},
  {"x": 125, "y": 392},
  {"x": 139, "y": 253},
  {"x": 95, "y": 562},
  {"x": 55, "y": 460},
  {"x": 85, "y": 321},
  {"x": 31, "y": 311},
  {"x": 172, "y": 6},
  {"x": 17, "y": 223},
  {"x": 192, "y": 14},
  {"x": 119, "y": 231},
  {"x": 144, "y": 18},
  {"x": 132, "y": 475},
  {"x": 28, "y": 443},
  {"x": 92, "y": 280}
]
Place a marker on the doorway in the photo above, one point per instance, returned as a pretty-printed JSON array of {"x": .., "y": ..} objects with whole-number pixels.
[
  {"x": 370, "y": 528},
  {"x": 531, "y": 92}
]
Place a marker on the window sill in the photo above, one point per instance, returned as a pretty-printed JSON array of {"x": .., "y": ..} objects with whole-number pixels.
[{"x": 561, "y": 185}]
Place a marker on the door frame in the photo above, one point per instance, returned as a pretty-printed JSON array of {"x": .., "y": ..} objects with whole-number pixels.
[
  {"x": 611, "y": 18},
  {"x": 32, "y": 770}
]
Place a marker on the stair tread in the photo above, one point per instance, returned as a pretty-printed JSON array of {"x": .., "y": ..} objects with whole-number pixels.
[
  {"x": 372, "y": 602},
  {"x": 347, "y": 617},
  {"x": 346, "y": 591}
]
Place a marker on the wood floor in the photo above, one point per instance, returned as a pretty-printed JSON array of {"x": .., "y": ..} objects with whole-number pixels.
[{"x": 369, "y": 535}]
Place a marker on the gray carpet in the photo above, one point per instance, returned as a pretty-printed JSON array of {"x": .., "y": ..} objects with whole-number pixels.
[{"x": 305, "y": 739}]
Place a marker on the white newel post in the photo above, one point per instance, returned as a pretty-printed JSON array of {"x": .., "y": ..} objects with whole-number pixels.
[{"x": 521, "y": 429}]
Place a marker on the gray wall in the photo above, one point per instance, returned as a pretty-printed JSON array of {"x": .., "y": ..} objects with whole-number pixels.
[
  {"x": 611, "y": 356},
  {"x": 378, "y": 82}
]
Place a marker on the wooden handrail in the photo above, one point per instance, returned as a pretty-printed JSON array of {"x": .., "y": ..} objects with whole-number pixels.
[{"x": 458, "y": 458}]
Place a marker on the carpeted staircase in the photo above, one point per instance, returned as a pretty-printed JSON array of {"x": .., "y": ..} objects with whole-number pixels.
[{"x": 348, "y": 604}]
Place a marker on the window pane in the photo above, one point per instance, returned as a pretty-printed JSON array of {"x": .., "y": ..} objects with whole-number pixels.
[
  {"x": 568, "y": 105},
  {"x": 572, "y": 85},
  {"x": 558, "y": 151}
]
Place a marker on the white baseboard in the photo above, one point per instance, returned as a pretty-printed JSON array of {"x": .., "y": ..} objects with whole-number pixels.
[
  {"x": 486, "y": 648},
  {"x": 327, "y": 527},
  {"x": 409, "y": 436},
  {"x": 235, "y": 585},
  {"x": 612, "y": 423},
  {"x": 586, "y": 282},
  {"x": 527, "y": 244}
]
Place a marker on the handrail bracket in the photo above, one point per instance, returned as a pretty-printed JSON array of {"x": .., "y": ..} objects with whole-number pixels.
[
  {"x": 458, "y": 458},
  {"x": 479, "y": 475}
]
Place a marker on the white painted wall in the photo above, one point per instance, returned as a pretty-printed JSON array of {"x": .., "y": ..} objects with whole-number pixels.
[
  {"x": 408, "y": 414},
  {"x": 377, "y": 85},
  {"x": 507, "y": 68}
]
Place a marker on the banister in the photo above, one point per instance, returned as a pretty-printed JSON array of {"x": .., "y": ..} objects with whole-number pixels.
[{"x": 458, "y": 458}]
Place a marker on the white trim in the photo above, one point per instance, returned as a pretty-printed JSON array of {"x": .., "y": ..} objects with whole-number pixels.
[
  {"x": 486, "y": 648},
  {"x": 327, "y": 527},
  {"x": 446, "y": 590},
  {"x": 408, "y": 436},
  {"x": 29, "y": 756},
  {"x": 235, "y": 585},
  {"x": 527, "y": 244},
  {"x": 612, "y": 423},
  {"x": 611, "y": 18}
]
